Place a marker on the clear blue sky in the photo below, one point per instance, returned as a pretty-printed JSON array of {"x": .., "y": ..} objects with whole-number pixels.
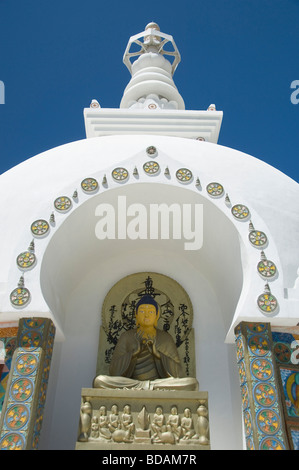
[{"x": 242, "y": 55}]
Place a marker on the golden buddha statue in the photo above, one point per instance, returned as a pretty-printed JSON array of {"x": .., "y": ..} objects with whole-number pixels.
[{"x": 146, "y": 357}]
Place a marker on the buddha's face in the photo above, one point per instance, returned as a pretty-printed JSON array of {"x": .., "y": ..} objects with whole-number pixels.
[{"x": 146, "y": 316}]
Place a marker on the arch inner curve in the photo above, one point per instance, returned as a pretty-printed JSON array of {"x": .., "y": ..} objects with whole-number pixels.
[{"x": 76, "y": 253}]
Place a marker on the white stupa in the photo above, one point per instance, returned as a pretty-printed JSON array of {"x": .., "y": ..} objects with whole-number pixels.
[{"x": 150, "y": 151}]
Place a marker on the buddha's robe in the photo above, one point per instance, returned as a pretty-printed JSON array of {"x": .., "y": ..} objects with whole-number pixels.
[{"x": 136, "y": 364}]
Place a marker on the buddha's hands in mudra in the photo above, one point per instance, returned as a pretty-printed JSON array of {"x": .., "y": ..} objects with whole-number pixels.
[
  {"x": 151, "y": 346},
  {"x": 143, "y": 339}
]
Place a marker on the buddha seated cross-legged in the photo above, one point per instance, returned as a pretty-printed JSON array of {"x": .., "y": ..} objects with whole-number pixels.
[{"x": 146, "y": 358}]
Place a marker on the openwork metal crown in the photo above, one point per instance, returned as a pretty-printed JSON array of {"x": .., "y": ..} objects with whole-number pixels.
[{"x": 151, "y": 40}]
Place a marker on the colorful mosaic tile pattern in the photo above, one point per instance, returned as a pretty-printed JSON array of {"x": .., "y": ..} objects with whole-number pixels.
[
  {"x": 262, "y": 412},
  {"x": 22, "y": 413}
]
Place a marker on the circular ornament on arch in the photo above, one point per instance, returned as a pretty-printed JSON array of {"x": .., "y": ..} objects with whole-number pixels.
[
  {"x": 20, "y": 297},
  {"x": 267, "y": 303},
  {"x": 240, "y": 211},
  {"x": 120, "y": 174},
  {"x": 151, "y": 167},
  {"x": 266, "y": 268},
  {"x": 152, "y": 106},
  {"x": 152, "y": 151},
  {"x": 26, "y": 260},
  {"x": 40, "y": 228},
  {"x": 257, "y": 238},
  {"x": 63, "y": 204},
  {"x": 89, "y": 185},
  {"x": 215, "y": 189},
  {"x": 184, "y": 175}
]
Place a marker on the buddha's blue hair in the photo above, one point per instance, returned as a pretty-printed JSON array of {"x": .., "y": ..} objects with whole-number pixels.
[{"x": 147, "y": 299}]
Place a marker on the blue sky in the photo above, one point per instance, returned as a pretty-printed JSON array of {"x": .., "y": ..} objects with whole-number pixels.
[{"x": 242, "y": 55}]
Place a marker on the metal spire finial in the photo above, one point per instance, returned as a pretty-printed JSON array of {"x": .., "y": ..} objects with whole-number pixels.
[{"x": 153, "y": 41}]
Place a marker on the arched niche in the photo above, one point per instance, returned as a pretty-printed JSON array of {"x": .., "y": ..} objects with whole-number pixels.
[
  {"x": 78, "y": 270},
  {"x": 75, "y": 251}
]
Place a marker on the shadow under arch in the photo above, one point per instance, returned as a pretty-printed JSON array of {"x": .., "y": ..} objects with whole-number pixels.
[{"x": 75, "y": 253}]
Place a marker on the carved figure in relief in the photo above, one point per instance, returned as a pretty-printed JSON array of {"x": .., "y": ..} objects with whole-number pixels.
[
  {"x": 116, "y": 426},
  {"x": 160, "y": 433},
  {"x": 173, "y": 423},
  {"x": 94, "y": 433},
  {"x": 85, "y": 421},
  {"x": 158, "y": 424},
  {"x": 114, "y": 422},
  {"x": 187, "y": 425},
  {"x": 127, "y": 420},
  {"x": 202, "y": 425},
  {"x": 104, "y": 424},
  {"x": 146, "y": 357}
]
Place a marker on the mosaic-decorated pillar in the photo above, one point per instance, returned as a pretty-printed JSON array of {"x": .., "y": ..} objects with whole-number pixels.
[
  {"x": 8, "y": 341},
  {"x": 286, "y": 350},
  {"x": 263, "y": 417},
  {"x": 23, "y": 407}
]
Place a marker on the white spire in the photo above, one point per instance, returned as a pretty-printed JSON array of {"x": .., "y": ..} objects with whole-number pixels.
[{"x": 152, "y": 85}]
